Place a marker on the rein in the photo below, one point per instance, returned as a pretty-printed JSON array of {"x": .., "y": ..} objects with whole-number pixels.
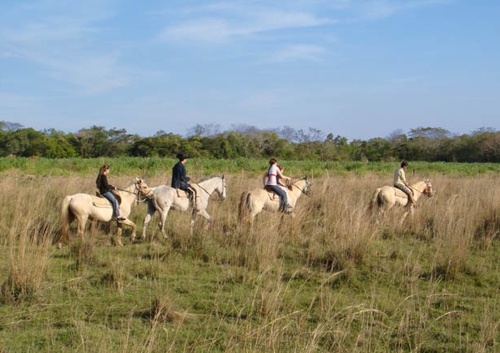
[
  {"x": 130, "y": 192},
  {"x": 302, "y": 190},
  {"x": 148, "y": 195},
  {"x": 209, "y": 193},
  {"x": 423, "y": 191}
]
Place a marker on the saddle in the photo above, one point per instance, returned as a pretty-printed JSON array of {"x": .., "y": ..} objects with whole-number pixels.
[
  {"x": 100, "y": 201},
  {"x": 184, "y": 194},
  {"x": 272, "y": 194},
  {"x": 400, "y": 193}
]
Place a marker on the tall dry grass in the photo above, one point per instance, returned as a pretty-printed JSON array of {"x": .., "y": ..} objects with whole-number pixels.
[{"x": 328, "y": 279}]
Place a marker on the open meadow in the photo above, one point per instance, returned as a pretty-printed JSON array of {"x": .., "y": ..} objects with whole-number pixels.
[{"x": 327, "y": 280}]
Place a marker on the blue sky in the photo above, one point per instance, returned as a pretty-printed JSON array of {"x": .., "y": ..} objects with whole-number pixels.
[{"x": 356, "y": 68}]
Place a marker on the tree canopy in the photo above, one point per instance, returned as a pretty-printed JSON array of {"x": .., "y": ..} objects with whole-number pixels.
[{"x": 243, "y": 141}]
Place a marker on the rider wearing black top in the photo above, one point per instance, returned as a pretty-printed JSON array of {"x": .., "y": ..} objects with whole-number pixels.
[
  {"x": 105, "y": 189},
  {"x": 180, "y": 180}
]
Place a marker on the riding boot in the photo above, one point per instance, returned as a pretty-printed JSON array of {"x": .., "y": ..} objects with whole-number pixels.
[
  {"x": 288, "y": 209},
  {"x": 411, "y": 201},
  {"x": 193, "y": 195}
]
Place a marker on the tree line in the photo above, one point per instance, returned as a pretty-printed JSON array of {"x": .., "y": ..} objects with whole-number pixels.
[{"x": 243, "y": 141}]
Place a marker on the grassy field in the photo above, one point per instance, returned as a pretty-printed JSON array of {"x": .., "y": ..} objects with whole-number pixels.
[{"x": 328, "y": 280}]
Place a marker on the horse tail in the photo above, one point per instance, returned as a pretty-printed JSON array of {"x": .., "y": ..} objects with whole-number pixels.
[
  {"x": 243, "y": 206},
  {"x": 66, "y": 218},
  {"x": 374, "y": 200}
]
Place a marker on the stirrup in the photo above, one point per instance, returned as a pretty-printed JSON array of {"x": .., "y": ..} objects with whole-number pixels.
[{"x": 287, "y": 209}]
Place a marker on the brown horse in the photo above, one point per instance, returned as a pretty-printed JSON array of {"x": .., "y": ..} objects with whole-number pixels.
[
  {"x": 388, "y": 196},
  {"x": 254, "y": 201}
]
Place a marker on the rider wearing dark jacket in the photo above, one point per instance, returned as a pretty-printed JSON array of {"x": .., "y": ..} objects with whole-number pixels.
[{"x": 180, "y": 180}]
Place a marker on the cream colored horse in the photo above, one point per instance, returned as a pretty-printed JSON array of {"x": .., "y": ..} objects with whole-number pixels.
[
  {"x": 388, "y": 196},
  {"x": 163, "y": 198},
  {"x": 254, "y": 201},
  {"x": 84, "y": 207}
]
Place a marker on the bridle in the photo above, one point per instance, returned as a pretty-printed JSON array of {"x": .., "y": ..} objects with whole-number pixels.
[
  {"x": 218, "y": 192},
  {"x": 306, "y": 186},
  {"x": 427, "y": 191},
  {"x": 147, "y": 195}
]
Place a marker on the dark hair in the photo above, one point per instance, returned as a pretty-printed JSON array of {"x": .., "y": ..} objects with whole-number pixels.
[
  {"x": 103, "y": 168},
  {"x": 404, "y": 164},
  {"x": 182, "y": 156},
  {"x": 272, "y": 161}
]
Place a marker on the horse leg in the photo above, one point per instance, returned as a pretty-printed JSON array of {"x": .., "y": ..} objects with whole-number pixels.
[
  {"x": 408, "y": 211},
  {"x": 151, "y": 211},
  {"x": 131, "y": 225},
  {"x": 118, "y": 237},
  {"x": 161, "y": 224},
  {"x": 205, "y": 215},
  {"x": 82, "y": 222}
]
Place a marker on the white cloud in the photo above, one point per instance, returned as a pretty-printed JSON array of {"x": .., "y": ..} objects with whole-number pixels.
[
  {"x": 220, "y": 29},
  {"x": 299, "y": 52},
  {"x": 63, "y": 42}
]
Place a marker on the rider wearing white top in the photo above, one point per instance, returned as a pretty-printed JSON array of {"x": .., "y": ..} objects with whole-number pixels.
[
  {"x": 270, "y": 181},
  {"x": 401, "y": 183}
]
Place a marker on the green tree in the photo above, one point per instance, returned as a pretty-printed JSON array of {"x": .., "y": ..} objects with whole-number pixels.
[
  {"x": 24, "y": 143},
  {"x": 58, "y": 145}
]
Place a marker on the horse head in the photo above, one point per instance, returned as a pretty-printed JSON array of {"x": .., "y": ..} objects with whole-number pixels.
[
  {"x": 428, "y": 188},
  {"x": 222, "y": 193},
  {"x": 304, "y": 187},
  {"x": 143, "y": 188},
  {"x": 221, "y": 188},
  {"x": 307, "y": 188}
]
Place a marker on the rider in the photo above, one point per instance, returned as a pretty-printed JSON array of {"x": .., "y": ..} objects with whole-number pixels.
[
  {"x": 278, "y": 179},
  {"x": 270, "y": 181},
  {"x": 401, "y": 183},
  {"x": 105, "y": 191},
  {"x": 179, "y": 178}
]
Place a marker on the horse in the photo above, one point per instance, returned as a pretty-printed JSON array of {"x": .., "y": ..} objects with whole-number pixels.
[
  {"x": 388, "y": 196},
  {"x": 162, "y": 198},
  {"x": 254, "y": 201},
  {"x": 83, "y": 207}
]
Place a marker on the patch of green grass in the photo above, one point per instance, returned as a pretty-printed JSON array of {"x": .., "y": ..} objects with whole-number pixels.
[{"x": 327, "y": 280}]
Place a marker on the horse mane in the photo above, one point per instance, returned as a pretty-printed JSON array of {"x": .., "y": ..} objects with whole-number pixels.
[{"x": 209, "y": 177}]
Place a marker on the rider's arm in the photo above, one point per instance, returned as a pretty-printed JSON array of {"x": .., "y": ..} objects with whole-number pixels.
[{"x": 282, "y": 176}]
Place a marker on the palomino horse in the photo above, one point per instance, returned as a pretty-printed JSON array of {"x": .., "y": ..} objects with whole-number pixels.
[
  {"x": 162, "y": 198},
  {"x": 388, "y": 196},
  {"x": 254, "y": 201},
  {"x": 83, "y": 207}
]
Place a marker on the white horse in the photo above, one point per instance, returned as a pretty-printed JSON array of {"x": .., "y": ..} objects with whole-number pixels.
[
  {"x": 162, "y": 198},
  {"x": 254, "y": 201},
  {"x": 83, "y": 207},
  {"x": 388, "y": 196}
]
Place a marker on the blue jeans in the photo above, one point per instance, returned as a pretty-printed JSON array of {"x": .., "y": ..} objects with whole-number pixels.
[
  {"x": 111, "y": 198},
  {"x": 282, "y": 194}
]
